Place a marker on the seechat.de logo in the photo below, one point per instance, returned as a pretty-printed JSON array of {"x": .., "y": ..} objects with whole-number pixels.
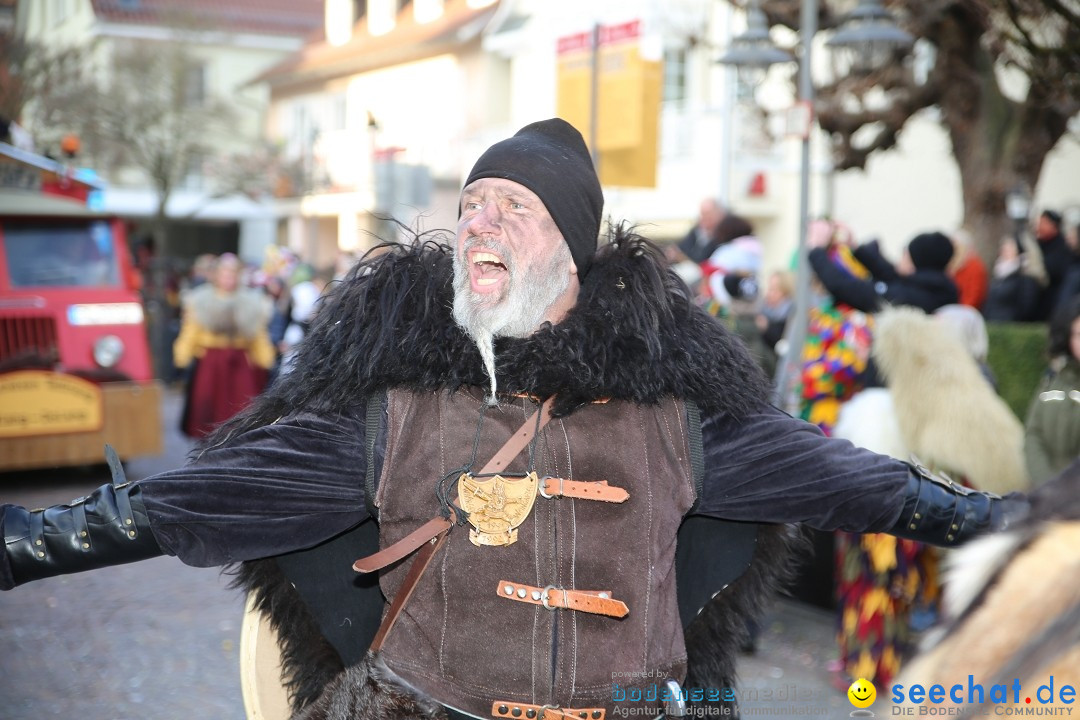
[{"x": 862, "y": 694}]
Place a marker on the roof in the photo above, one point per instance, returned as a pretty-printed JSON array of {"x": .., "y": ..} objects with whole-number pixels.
[
  {"x": 298, "y": 18},
  {"x": 409, "y": 41}
]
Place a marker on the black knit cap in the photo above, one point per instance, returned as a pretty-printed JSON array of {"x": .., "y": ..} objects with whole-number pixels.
[
  {"x": 551, "y": 159},
  {"x": 930, "y": 251}
]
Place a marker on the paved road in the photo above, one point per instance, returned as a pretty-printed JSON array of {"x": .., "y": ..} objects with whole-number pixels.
[
  {"x": 158, "y": 640},
  {"x": 155, "y": 640}
]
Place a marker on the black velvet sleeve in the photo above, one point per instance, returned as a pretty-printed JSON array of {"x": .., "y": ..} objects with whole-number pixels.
[
  {"x": 869, "y": 254},
  {"x": 859, "y": 294},
  {"x": 771, "y": 467},
  {"x": 273, "y": 489}
]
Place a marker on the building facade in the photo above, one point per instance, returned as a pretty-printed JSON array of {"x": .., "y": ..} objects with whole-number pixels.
[
  {"x": 229, "y": 42},
  {"x": 389, "y": 108}
]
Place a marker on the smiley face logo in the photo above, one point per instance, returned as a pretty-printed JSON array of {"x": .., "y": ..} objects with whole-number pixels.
[{"x": 862, "y": 693}]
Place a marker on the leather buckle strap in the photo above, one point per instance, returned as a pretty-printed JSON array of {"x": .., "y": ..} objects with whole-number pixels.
[
  {"x": 524, "y": 711},
  {"x": 412, "y": 578},
  {"x": 416, "y": 539},
  {"x": 553, "y": 487},
  {"x": 595, "y": 602},
  {"x": 403, "y": 547},
  {"x": 519, "y": 440}
]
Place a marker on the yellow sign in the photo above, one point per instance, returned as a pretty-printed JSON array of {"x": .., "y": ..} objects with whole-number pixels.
[
  {"x": 628, "y": 100},
  {"x": 37, "y": 402}
]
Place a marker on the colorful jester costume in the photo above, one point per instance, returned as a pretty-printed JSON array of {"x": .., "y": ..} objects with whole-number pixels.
[{"x": 879, "y": 577}]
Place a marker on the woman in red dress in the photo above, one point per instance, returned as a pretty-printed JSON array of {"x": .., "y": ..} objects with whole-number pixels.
[{"x": 224, "y": 339}]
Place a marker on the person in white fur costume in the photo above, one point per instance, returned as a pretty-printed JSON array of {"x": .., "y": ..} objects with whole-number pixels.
[{"x": 937, "y": 408}]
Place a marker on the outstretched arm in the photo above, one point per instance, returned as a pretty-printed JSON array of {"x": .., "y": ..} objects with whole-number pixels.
[
  {"x": 845, "y": 288},
  {"x": 274, "y": 489},
  {"x": 771, "y": 467}
]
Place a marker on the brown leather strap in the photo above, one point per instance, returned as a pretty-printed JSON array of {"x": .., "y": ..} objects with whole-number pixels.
[
  {"x": 403, "y": 547},
  {"x": 596, "y": 602},
  {"x": 430, "y": 536},
  {"x": 419, "y": 565},
  {"x": 524, "y": 711},
  {"x": 408, "y": 544},
  {"x": 519, "y": 440},
  {"x": 596, "y": 490}
]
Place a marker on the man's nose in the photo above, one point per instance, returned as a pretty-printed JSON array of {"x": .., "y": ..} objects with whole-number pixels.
[{"x": 486, "y": 219}]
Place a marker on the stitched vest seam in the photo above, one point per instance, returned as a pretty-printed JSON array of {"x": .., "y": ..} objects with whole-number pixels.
[{"x": 649, "y": 544}]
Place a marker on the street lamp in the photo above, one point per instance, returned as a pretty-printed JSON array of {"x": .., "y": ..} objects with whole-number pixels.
[
  {"x": 866, "y": 38},
  {"x": 752, "y": 53}
]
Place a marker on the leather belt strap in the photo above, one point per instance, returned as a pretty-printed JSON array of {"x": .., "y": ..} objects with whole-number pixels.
[
  {"x": 519, "y": 440},
  {"x": 596, "y": 602},
  {"x": 524, "y": 711},
  {"x": 403, "y": 547},
  {"x": 408, "y": 544},
  {"x": 598, "y": 490},
  {"x": 419, "y": 565}
]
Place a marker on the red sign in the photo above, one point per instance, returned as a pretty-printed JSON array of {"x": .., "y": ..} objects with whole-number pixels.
[{"x": 609, "y": 35}]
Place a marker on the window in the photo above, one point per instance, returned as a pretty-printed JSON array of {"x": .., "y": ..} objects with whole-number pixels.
[
  {"x": 675, "y": 76},
  {"x": 194, "y": 176},
  {"x": 337, "y": 112},
  {"x": 359, "y": 10},
  {"x": 382, "y": 16},
  {"x": 425, "y": 11},
  {"x": 59, "y": 11},
  {"x": 195, "y": 84},
  {"x": 61, "y": 255}
]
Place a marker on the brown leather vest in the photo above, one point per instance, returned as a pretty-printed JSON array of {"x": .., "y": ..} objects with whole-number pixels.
[{"x": 463, "y": 643}]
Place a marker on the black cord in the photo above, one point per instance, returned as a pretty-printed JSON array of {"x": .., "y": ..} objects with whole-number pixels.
[{"x": 443, "y": 488}]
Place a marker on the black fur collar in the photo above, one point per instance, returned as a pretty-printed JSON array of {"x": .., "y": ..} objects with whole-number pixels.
[{"x": 634, "y": 334}]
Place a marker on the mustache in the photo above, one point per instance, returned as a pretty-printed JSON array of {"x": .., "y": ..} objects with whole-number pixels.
[{"x": 485, "y": 242}]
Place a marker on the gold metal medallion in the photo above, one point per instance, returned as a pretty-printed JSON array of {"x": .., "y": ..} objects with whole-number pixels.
[{"x": 496, "y": 506}]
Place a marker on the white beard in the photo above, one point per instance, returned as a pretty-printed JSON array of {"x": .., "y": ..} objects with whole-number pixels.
[{"x": 522, "y": 309}]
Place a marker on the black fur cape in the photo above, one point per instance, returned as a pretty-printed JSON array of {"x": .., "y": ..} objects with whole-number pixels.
[{"x": 634, "y": 334}]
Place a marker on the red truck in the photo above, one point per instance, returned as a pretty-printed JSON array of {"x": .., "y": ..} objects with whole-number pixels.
[{"x": 75, "y": 366}]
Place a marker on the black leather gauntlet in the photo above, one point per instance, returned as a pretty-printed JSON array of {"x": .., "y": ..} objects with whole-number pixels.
[
  {"x": 942, "y": 512},
  {"x": 107, "y": 527}
]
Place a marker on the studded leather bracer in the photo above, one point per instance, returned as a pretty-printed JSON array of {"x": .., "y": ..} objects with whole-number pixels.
[
  {"x": 107, "y": 527},
  {"x": 942, "y": 512}
]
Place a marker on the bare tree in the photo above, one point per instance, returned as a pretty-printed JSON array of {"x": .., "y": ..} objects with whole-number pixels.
[
  {"x": 1004, "y": 74},
  {"x": 40, "y": 84}
]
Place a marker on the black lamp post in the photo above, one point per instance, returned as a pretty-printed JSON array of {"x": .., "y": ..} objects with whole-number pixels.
[{"x": 870, "y": 37}]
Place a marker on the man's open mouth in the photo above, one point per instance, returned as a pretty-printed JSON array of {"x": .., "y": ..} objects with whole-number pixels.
[{"x": 486, "y": 269}]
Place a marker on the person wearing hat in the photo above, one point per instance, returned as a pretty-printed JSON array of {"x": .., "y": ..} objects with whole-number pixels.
[
  {"x": 919, "y": 280},
  {"x": 554, "y": 442},
  {"x": 1057, "y": 257}
]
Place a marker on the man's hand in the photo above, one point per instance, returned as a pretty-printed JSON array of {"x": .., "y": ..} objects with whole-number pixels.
[{"x": 819, "y": 234}]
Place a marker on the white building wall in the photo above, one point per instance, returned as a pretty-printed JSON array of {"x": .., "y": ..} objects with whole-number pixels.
[{"x": 912, "y": 189}]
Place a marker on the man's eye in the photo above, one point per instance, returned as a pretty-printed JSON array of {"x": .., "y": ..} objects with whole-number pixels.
[
  {"x": 471, "y": 205},
  {"x": 516, "y": 206}
]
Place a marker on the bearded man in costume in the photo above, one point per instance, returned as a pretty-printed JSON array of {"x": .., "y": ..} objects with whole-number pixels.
[{"x": 539, "y": 417}]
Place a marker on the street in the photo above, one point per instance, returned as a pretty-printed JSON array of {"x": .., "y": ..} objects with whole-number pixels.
[
  {"x": 155, "y": 639},
  {"x": 159, "y": 640}
]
